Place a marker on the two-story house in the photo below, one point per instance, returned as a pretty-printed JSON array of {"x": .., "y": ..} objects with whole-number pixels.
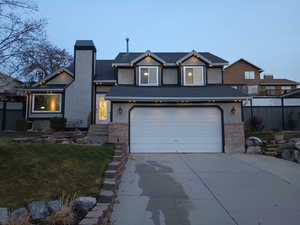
[
  {"x": 152, "y": 101},
  {"x": 246, "y": 77}
]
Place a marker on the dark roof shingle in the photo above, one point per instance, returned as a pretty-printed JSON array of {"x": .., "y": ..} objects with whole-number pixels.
[
  {"x": 169, "y": 57},
  {"x": 171, "y": 93}
]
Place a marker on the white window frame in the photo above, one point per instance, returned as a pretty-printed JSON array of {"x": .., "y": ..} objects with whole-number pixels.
[
  {"x": 193, "y": 67},
  {"x": 42, "y": 111},
  {"x": 252, "y": 87},
  {"x": 247, "y": 75},
  {"x": 140, "y": 74}
]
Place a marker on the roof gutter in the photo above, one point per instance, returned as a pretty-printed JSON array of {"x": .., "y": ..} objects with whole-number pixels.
[
  {"x": 192, "y": 99},
  {"x": 42, "y": 89}
]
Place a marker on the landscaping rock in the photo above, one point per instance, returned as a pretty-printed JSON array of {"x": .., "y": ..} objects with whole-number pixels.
[
  {"x": 254, "y": 141},
  {"x": 287, "y": 155},
  {"x": 297, "y": 145},
  {"x": 18, "y": 214},
  {"x": 24, "y": 139},
  {"x": 286, "y": 146},
  {"x": 296, "y": 155},
  {"x": 82, "y": 205},
  {"x": 51, "y": 140},
  {"x": 254, "y": 149},
  {"x": 38, "y": 210},
  {"x": 294, "y": 140},
  {"x": 3, "y": 215},
  {"x": 82, "y": 140},
  {"x": 54, "y": 206}
]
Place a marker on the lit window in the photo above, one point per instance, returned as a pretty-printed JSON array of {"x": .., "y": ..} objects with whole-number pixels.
[
  {"x": 249, "y": 75},
  {"x": 46, "y": 103},
  {"x": 103, "y": 105},
  {"x": 193, "y": 75},
  {"x": 253, "y": 89},
  {"x": 148, "y": 75}
]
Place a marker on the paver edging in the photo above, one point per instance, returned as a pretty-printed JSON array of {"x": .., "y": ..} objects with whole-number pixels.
[{"x": 101, "y": 213}]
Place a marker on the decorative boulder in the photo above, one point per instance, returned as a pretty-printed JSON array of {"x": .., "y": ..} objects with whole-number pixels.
[
  {"x": 54, "y": 206},
  {"x": 3, "y": 215},
  {"x": 254, "y": 141},
  {"x": 38, "y": 210},
  {"x": 279, "y": 138},
  {"x": 18, "y": 214},
  {"x": 297, "y": 145},
  {"x": 294, "y": 140},
  {"x": 82, "y": 205},
  {"x": 287, "y": 154}
]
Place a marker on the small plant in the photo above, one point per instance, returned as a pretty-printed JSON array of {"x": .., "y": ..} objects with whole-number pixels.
[
  {"x": 65, "y": 216},
  {"x": 58, "y": 123},
  {"x": 22, "y": 124},
  {"x": 255, "y": 124}
]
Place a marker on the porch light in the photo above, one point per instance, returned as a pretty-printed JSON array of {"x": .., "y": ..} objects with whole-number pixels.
[
  {"x": 42, "y": 107},
  {"x": 190, "y": 74},
  {"x": 233, "y": 110}
]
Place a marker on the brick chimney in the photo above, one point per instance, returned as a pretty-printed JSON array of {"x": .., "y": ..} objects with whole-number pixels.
[{"x": 268, "y": 77}]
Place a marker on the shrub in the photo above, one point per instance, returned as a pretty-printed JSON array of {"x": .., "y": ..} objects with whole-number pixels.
[
  {"x": 58, "y": 123},
  {"x": 22, "y": 124},
  {"x": 22, "y": 221},
  {"x": 65, "y": 216}
]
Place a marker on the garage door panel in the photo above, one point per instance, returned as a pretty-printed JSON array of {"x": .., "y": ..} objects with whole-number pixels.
[{"x": 175, "y": 129}]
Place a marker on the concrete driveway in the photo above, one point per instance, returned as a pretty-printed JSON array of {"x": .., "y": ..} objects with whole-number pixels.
[{"x": 214, "y": 189}]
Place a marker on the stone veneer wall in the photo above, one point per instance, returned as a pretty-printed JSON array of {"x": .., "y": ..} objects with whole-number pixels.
[
  {"x": 118, "y": 133},
  {"x": 234, "y": 137}
]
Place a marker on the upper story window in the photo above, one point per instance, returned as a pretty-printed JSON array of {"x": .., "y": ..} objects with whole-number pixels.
[
  {"x": 193, "y": 75},
  {"x": 249, "y": 75},
  {"x": 148, "y": 76},
  {"x": 46, "y": 103},
  {"x": 253, "y": 89},
  {"x": 285, "y": 89}
]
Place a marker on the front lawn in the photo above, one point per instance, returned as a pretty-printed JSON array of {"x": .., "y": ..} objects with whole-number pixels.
[{"x": 31, "y": 172}]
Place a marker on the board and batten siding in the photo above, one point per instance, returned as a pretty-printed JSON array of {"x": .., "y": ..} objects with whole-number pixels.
[
  {"x": 214, "y": 76},
  {"x": 126, "y": 76},
  {"x": 170, "y": 76},
  {"x": 62, "y": 78},
  {"x": 78, "y": 95}
]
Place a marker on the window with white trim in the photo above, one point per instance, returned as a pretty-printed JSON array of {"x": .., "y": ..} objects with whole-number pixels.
[
  {"x": 46, "y": 103},
  {"x": 285, "y": 89},
  {"x": 193, "y": 75},
  {"x": 252, "y": 89},
  {"x": 148, "y": 76},
  {"x": 249, "y": 75}
]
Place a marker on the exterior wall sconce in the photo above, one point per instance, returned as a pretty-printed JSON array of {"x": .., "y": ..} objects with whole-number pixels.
[
  {"x": 120, "y": 110},
  {"x": 233, "y": 110}
]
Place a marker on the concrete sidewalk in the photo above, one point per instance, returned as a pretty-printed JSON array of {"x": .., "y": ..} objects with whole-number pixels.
[{"x": 214, "y": 189}]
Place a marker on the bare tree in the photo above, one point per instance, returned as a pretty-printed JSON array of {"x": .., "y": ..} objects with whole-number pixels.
[
  {"x": 17, "y": 31},
  {"x": 43, "y": 57}
]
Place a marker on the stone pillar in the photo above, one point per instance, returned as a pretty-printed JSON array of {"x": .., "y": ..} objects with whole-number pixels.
[
  {"x": 234, "y": 137},
  {"x": 118, "y": 133}
]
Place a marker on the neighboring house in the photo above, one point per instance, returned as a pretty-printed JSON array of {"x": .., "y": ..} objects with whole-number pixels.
[
  {"x": 154, "y": 102},
  {"x": 245, "y": 76},
  {"x": 10, "y": 88}
]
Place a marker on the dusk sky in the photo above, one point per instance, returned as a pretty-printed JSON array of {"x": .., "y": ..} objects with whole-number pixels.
[{"x": 264, "y": 32}]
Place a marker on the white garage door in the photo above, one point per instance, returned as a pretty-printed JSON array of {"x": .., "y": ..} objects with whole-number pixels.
[{"x": 175, "y": 129}]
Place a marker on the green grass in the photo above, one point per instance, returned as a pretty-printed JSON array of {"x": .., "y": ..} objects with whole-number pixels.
[{"x": 30, "y": 172}]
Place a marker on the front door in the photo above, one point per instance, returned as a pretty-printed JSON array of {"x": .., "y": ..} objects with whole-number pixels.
[{"x": 102, "y": 109}]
